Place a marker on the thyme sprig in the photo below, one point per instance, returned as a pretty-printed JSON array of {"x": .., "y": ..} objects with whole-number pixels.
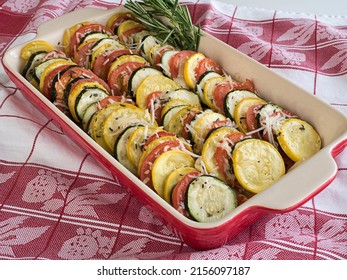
[{"x": 169, "y": 21}]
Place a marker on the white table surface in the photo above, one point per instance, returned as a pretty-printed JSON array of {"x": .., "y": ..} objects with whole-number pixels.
[{"x": 319, "y": 7}]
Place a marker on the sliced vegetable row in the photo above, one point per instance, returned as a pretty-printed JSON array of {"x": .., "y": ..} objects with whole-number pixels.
[
  {"x": 296, "y": 139},
  {"x": 168, "y": 115},
  {"x": 128, "y": 132}
]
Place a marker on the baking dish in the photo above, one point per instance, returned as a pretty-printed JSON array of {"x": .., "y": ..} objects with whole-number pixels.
[{"x": 292, "y": 190}]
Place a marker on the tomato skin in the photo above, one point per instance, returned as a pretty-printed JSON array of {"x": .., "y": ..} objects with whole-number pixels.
[
  {"x": 207, "y": 64},
  {"x": 126, "y": 35},
  {"x": 251, "y": 119},
  {"x": 81, "y": 32},
  {"x": 223, "y": 88},
  {"x": 82, "y": 56},
  {"x": 60, "y": 88},
  {"x": 160, "y": 133},
  {"x": 159, "y": 54},
  {"x": 48, "y": 81},
  {"x": 114, "y": 98},
  {"x": 103, "y": 62},
  {"x": 246, "y": 85},
  {"x": 185, "y": 132},
  {"x": 114, "y": 25},
  {"x": 176, "y": 63},
  {"x": 222, "y": 158},
  {"x": 54, "y": 54},
  {"x": 76, "y": 82},
  {"x": 219, "y": 94},
  {"x": 178, "y": 196},
  {"x": 226, "y": 122},
  {"x": 146, "y": 166},
  {"x": 158, "y": 104},
  {"x": 119, "y": 77}
]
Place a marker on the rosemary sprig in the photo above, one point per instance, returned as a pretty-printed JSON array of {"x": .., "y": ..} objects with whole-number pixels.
[{"x": 169, "y": 21}]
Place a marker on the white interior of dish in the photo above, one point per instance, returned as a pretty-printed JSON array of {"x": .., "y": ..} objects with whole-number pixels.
[{"x": 292, "y": 188}]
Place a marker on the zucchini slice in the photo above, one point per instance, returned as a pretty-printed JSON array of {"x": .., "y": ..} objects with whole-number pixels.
[
  {"x": 202, "y": 125},
  {"x": 120, "y": 151},
  {"x": 137, "y": 139},
  {"x": 165, "y": 61},
  {"x": 182, "y": 94},
  {"x": 167, "y": 117},
  {"x": 97, "y": 122},
  {"x": 35, "y": 59},
  {"x": 147, "y": 43},
  {"x": 42, "y": 66},
  {"x": 200, "y": 85},
  {"x": 137, "y": 77},
  {"x": 87, "y": 97},
  {"x": 121, "y": 118},
  {"x": 88, "y": 115},
  {"x": 209, "y": 199},
  {"x": 82, "y": 96},
  {"x": 232, "y": 98}
]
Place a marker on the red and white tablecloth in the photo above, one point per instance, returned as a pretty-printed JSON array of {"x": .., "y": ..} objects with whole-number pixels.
[{"x": 56, "y": 202}]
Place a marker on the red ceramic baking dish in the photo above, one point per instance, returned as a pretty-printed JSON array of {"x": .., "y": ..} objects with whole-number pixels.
[{"x": 291, "y": 191}]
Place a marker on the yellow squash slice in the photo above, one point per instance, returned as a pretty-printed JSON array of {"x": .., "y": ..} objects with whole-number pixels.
[
  {"x": 189, "y": 69},
  {"x": 257, "y": 164},
  {"x": 241, "y": 109},
  {"x": 165, "y": 164},
  {"x": 298, "y": 139},
  {"x": 152, "y": 84},
  {"x": 33, "y": 47}
]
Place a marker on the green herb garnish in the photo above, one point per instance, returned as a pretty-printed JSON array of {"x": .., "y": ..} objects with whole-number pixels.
[{"x": 168, "y": 21}]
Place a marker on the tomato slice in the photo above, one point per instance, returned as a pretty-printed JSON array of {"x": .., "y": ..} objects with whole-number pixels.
[
  {"x": 222, "y": 157},
  {"x": 126, "y": 35},
  {"x": 82, "y": 56},
  {"x": 146, "y": 166},
  {"x": 251, "y": 119},
  {"x": 54, "y": 54},
  {"x": 66, "y": 77},
  {"x": 219, "y": 94},
  {"x": 84, "y": 30},
  {"x": 118, "y": 19},
  {"x": 103, "y": 62},
  {"x": 118, "y": 79},
  {"x": 284, "y": 114},
  {"x": 50, "y": 79},
  {"x": 158, "y": 104},
  {"x": 226, "y": 122},
  {"x": 186, "y": 122},
  {"x": 74, "y": 83},
  {"x": 176, "y": 63},
  {"x": 223, "y": 88},
  {"x": 159, "y": 54},
  {"x": 160, "y": 133},
  {"x": 178, "y": 195},
  {"x": 246, "y": 85},
  {"x": 114, "y": 98},
  {"x": 207, "y": 64}
]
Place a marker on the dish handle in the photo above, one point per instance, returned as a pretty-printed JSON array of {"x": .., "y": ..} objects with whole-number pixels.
[{"x": 288, "y": 194}]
